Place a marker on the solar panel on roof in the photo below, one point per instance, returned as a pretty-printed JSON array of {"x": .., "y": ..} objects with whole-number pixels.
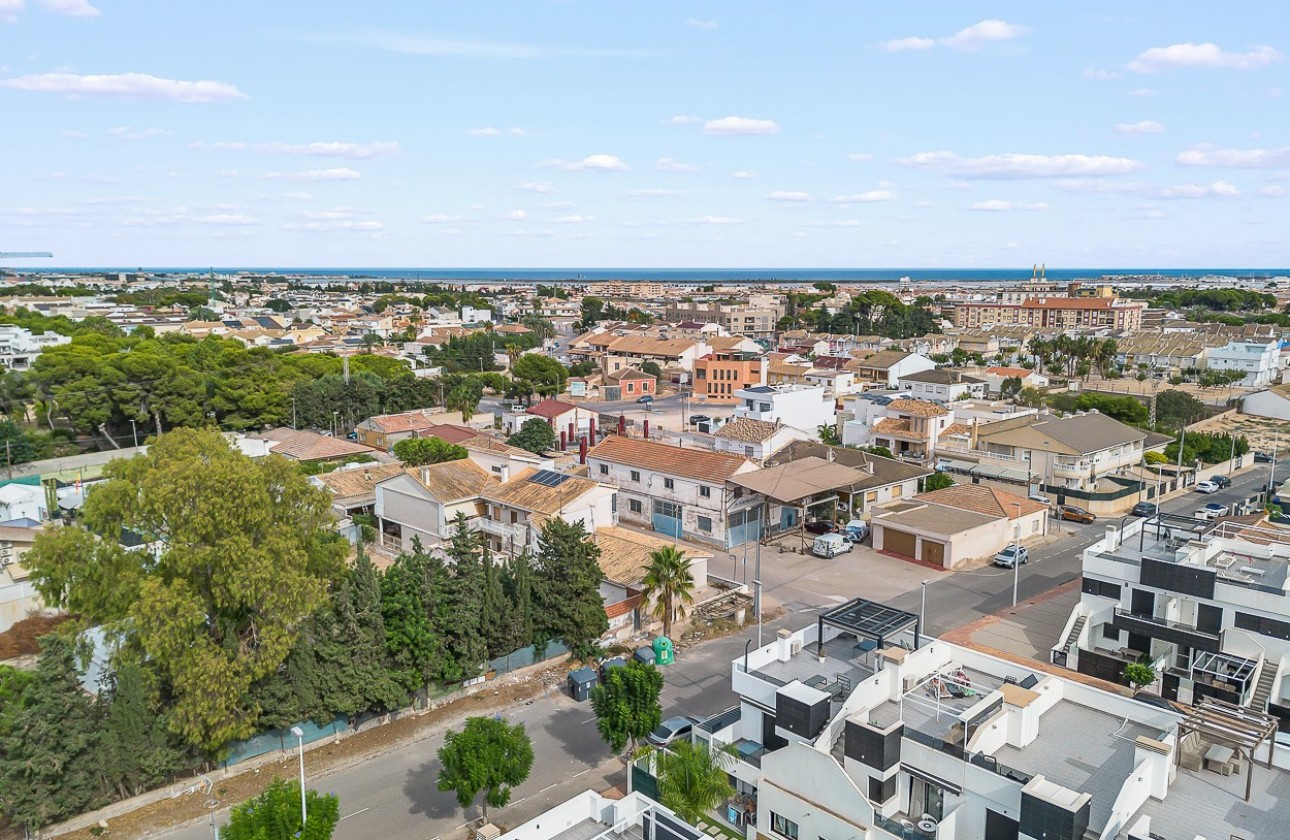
[{"x": 548, "y": 478}]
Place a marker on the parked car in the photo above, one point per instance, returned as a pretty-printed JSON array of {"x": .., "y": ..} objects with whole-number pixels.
[
  {"x": 821, "y": 526},
  {"x": 1263, "y": 458},
  {"x": 672, "y": 729},
  {"x": 696, "y": 419},
  {"x": 856, "y": 531},
  {"x": 1012, "y": 556},
  {"x": 1207, "y": 487},
  {"x": 1075, "y": 514},
  {"x": 1145, "y": 509},
  {"x": 645, "y": 400},
  {"x": 1220, "y": 480},
  {"x": 1035, "y": 497},
  {"x": 1215, "y": 509},
  {"x": 830, "y": 545}
]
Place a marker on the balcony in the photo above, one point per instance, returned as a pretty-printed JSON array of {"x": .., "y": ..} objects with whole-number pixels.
[
  {"x": 1165, "y": 630},
  {"x": 517, "y": 533}
]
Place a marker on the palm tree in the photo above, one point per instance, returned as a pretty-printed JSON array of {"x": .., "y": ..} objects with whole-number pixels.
[
  {"x": 668, "y": 585},
  {"x": 693, "y": 780}
]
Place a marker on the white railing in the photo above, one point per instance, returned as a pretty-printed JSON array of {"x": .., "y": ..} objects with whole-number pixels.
[
  {"x": 979, "y": 453},
  {"x": 504, "y": 530}
]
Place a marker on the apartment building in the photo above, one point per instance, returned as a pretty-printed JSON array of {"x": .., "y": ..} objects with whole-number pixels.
[
  {"x": 1057, "y": 313},
  {"x": 719, "y": 375},
  {"x": 908, "y": 427},
  {"x": 1207, "y": 606},
  {"x": 803, "y": 407},
  {"x": 856, "y": 726},
  {"x": 1258, "y": 359},
  {"x": 757, "y": 317},
  {"x": 516, "y": 507},
  {"x": 886, "y": 367},
  {"x": 675, "y": 491},
  {"x": 19, "y": 347},
  {"x": 631, "y": 290},
  {"x": 944, "y": 384}
]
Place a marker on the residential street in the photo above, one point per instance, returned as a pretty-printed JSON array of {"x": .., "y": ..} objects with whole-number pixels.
[{"x": 394, "y": 796}]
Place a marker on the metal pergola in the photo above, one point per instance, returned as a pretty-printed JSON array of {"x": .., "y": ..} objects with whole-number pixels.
[
  {"x": 870, "y": 619},
  {"x": 1239, "y": 727}
]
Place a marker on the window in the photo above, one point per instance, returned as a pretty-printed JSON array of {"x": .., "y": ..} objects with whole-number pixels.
[
  {"x": 604, "y": 469},
  {"x": 634, "y": 505},
  {"x": 636, "y": 475},
  {"x": 783, "y": 827},
  {"x": 515, "y": 517},
  {"x": 705, "y": 524},
  {"x": 669, "y": 484},
  {"x": 1110, "y": 633},
  {"x": 705, "y": 492},
  {"x": 897, "y": 491},
  {"x": 748, "y": 451}
]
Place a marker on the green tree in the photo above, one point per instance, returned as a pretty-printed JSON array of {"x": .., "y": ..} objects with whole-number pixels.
[
  {"x": 535, "y": 435},
  {"x": 241, "y": 552},
  {"x": 668, "y": 585},
  {"x": 462, "y": 618},
  {"x": 49, "y": 766},
  {"x": 275, "y": 815},
  {"x": 1010, "y": 387},
  {"x": 411, "y": 592},
  {"x": 627, "y": 706},
  {"x": 567, "y": 603},
  {"x": 540, "y": 374},
  {"x": 540, "y": 326},
  {"x": 880, "y": 451},
  {"x": 937, "y": 481},
  {"x": 487, "y": 756},
  {"x": 828, "y": 435},
  {"x": 137, "y": 749},
  {"x": 693, "y": 779},
  {"x": 418, "y": 452},
  {"x": 277, "y": 305},
  {"x": 1139, "y": 674},
  {"x": 464, "y": 394},
  {"x": 652, "y": 369}
]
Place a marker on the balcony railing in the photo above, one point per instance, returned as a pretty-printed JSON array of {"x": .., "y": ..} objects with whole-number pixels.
[
  {"x": 1167, "y": 631},
  {"x": 1164, "y": 622},
  {"x": 516, "y": 532}
]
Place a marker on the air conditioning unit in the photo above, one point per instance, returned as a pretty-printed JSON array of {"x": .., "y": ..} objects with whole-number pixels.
[{"x": 796, "y": 646}]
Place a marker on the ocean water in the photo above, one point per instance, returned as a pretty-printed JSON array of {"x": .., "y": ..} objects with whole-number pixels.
[{"x": 712, "y": 275}]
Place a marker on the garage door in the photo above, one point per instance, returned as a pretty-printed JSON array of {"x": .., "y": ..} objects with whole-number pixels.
[
  {"x": 933, "y": 552},
  {"x": 898, "y": 542}
]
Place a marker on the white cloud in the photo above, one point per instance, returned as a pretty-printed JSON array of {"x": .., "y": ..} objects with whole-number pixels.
[
  {"x": 417, "y": 44},
  {"x": 517, "y": 216},
  {"x": 1140, "y": 127},
  {"x": 1236, "y": 158},
  {"x": 485, "y": 132},
  {"x": 998, "y": 206},
  {"x": 708, "y": 25},
  {"x": 233, "y": 173},
  {"x": 980, "y": 34},
  {"x": 844, "y": 223},
  {"x": 1013, "y": 165},
  {"x": 536, "y": 187},
  {"x": 864, "y": 197},
  {"x": 1100, "y": 75},
  {"x": 743, "y": 175},
  {"x": 574, "y": 219},
  {"x": 339, "y": 224},
  {"x": 127, "y": 133},
  {"x": 439, "y": 219},
  {"x": 9, "y": 10},
  {"x": 907, "y": 44},
  {"x": 1142, "y": 92},
  {"x": 921, "y": 204},
  {"x": 226, "y": 219},
  {"x": 1218, "y": 189},
  {"x": 667, "y": 164},
  {"x": 1203, "y": 55},
  {"x": 70, "y": 8},
  {"x": 782, "y": 195},
  {"x": 591, "y": 163},
  {"x": 330, "y": 149},
  {"x": 683, "y": 119},
  {"x": 517, "y": 132},
  {"x": 116, "y": 200},
  {"x": 637, "y": 195},
  {"x": 72, "y": 134},
  {"x": 298, "y": 196},
  {"x": 860, "y": 157},
  {"x": 336, "y": 174},
  {"x": 740, "y": 125},
  {"x": 126, "y": 85},
  {"x": 339, "y": 214},
  {"x": 1098, "y": 185},
  {"x": 1274, "y": 191},
  {"x": 717, "y": 220}
]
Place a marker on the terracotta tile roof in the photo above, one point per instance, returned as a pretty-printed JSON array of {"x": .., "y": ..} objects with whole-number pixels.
[
  {"x": 406, "y": 422},
  {"x": 360, "y": 481},
  {"x": 891, "y": 426},
  {"x": 629, "y": 373},
  {"x": 663, "y": 458},
  {"x": 453, "y": 481},
  {"x": 645, "y": 345},
  {"x": 881, "y": 471},
  {"x": 550, "y": 409},
  {"x": 955, "y": 429},
  {"x": 747, "y": 429},
  {"x": 514, "y": 329},
  {"x": 982, "y": 499},
  {"x": 918, "y": 408},
  {"x": 624, "y": 554},
  {"x": 304, "y": 445},
  {"x": 488, "y": 443},
  {"x": 449, "y": 433},
  {"x": 1020, "y": 373},
  {"x": 521, "y": 493},
  {"x": 884, "y": 359}
]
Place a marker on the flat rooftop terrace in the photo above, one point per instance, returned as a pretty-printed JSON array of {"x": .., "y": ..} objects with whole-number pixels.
[
  {"x": 1206, "y": 804},
  {"x": 1082, "y": 749},
  {"x": 841, "y": 659},
  {"x": 590, "y": 829}
]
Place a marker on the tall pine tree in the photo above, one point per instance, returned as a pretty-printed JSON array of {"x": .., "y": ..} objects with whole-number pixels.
[
  {"x": 462, "y": 611},
  {"x": 137, "y": 749},
  {"x": 411, "y": 591},
  {"x": 568, "y": 602}
]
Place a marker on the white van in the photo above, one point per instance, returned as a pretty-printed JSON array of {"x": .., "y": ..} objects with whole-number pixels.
[{"x": 830, "y": 545}]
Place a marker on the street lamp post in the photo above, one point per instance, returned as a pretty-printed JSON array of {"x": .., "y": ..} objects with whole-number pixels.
[
  {"x": 135, "y": 429},
  {"x": 304, "y": 809},
  {"x": 1016, "y": 553},
  {"x": 922, "y": 617}
]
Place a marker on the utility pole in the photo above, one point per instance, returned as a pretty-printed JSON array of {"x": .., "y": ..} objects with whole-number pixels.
[
  {"x": 757, "y": 587},
  {"x": 8, "y": 457}
]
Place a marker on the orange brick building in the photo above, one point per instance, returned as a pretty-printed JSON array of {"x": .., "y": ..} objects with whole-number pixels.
[{"x": 718, "y": 375}]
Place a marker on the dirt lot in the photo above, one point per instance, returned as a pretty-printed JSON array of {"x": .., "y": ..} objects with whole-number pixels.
[
  {"x": 1263, "y": 434},
  {"x": 150, "y": 819}
]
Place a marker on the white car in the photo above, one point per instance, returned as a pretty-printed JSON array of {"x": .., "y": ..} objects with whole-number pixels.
[
  {"x": 1207, "y": 487},
  {"x": 1012, "y": 556},
  {"x": 1043, "y": 500}
]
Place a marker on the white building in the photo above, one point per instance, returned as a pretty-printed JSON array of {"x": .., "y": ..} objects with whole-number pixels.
[
  {"x": 22, "y": 501},
  {"x": 19, "y": 347},
  {"x": 854, "y": 727},
  {"x": 1274, "y": 403},
  {"x": 800, "y": 406},
  {"x": 1258, "y": 359},
  {"x": 755, "y": 439},
  {"x": 591, "y": 816},
  {"x": 473, "y": 315},
  {"x": 675, "y": 491},
  {"x": 908, "y": 427},
  {"x": 944, "y": 384}
]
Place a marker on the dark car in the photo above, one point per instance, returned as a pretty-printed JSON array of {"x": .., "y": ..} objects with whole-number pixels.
[
  {"x": 1155, "y": 700},
  {"x": 821, "y": 526},
  {"x": 1144, "y": 509},
  {"x": 1220, "y": 480},
  {"x": 1263, "y": 458},
  {"x": 1075, "y": 514},
  {"x": 645, "y": 400},
  {"x": 696, "y": 419}
]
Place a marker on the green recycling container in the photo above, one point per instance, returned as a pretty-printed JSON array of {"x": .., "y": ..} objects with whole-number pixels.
[{"x": 663, "y": 653}]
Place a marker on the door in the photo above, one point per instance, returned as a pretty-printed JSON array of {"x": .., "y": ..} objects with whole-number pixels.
[
  {"x": 667, "y": 518},
  {"x": 898, "y": 542},
  {"x": 787, "y": 518},
  {"x": 933, "y": 552}
]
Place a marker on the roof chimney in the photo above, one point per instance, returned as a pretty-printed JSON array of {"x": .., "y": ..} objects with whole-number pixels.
[
  {"x": 425, "y": 475},
  {"x": 829, "y": 457},
  {"x": 504, "y": 472}
]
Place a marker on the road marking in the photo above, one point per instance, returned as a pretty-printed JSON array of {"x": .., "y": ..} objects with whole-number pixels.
[
  {"x": 518, "y": 801},
  {"x": 580, "y": 772},
  {"x": 355, "y": 814},
  {"x": 589, "y": 720},
  {"x": 548, "y": 787}
]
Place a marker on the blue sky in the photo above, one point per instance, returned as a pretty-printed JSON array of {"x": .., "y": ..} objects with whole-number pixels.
[{"x": 739, "y": 134}]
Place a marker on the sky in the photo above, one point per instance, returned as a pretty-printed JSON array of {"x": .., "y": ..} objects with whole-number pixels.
[{"x": 660, "y": 134}]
